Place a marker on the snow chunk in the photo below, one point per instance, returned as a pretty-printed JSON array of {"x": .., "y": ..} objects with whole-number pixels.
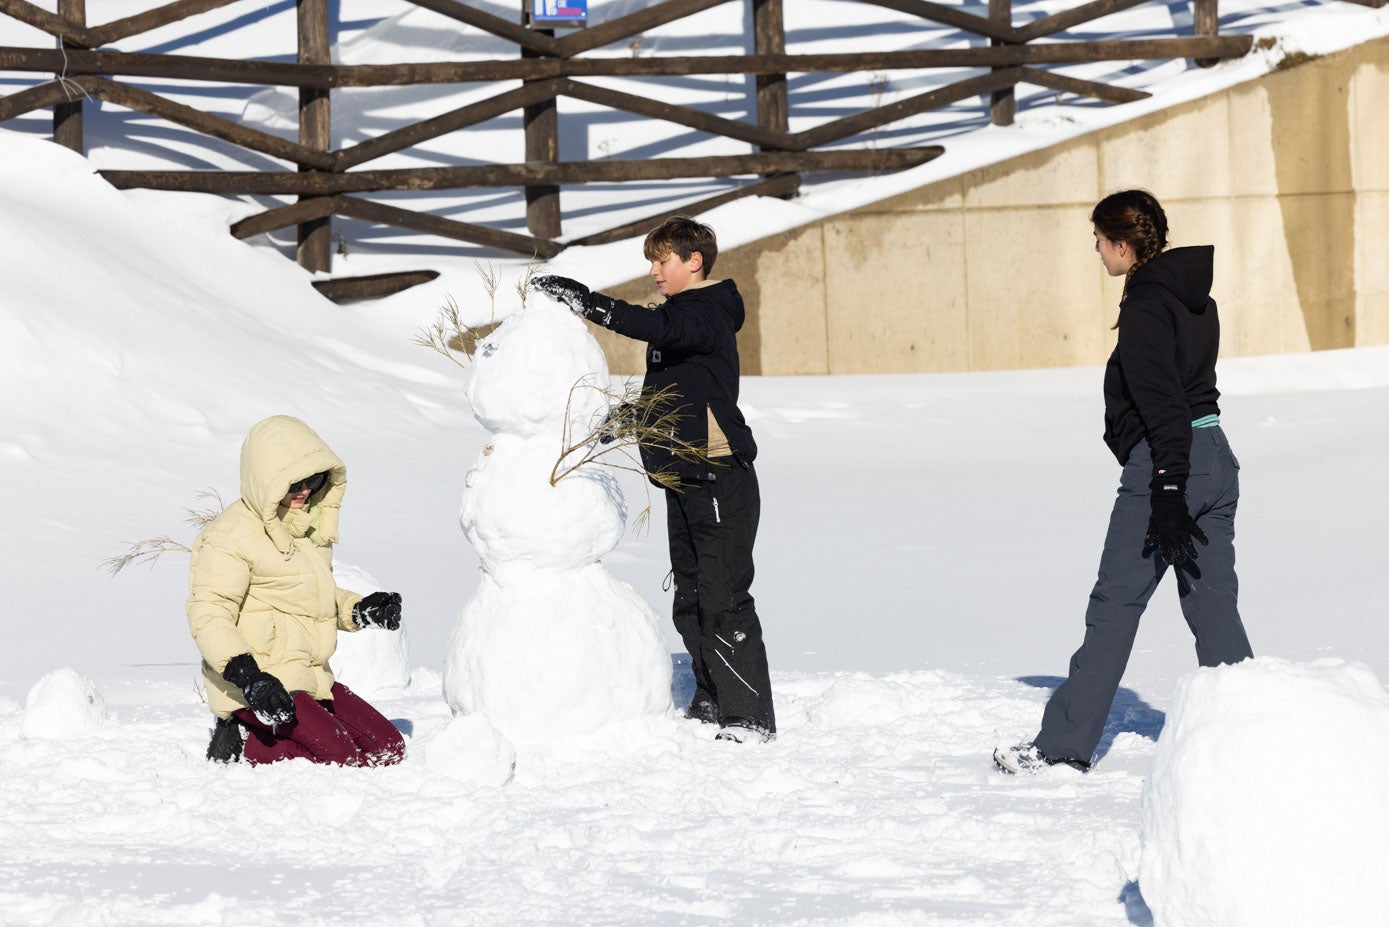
[
  {"x": 62, "y": 705},
  {"x": 1266, "y": 804},
  {"x": 471, "y": 750}
]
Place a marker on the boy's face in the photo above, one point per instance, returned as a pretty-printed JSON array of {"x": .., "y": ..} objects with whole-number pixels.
[{"x": 673, "y": 275}]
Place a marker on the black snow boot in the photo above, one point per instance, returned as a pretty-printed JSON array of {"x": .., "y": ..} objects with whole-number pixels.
[
  {"x": 226, "y": 743},
  {"x": 702, "y": 708}
]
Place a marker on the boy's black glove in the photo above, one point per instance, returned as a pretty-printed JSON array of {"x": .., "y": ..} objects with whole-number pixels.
[
  {"x": 595, "y": 307},
  {"x": 380, "y": 609},
  {"x": 264, "y": 694},
  {"x": 1171, "y": 529},
  {"x": 620, "y": 417}
]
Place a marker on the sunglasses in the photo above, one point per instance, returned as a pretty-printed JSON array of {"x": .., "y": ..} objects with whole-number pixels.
[{"x": 311, "y": 483}]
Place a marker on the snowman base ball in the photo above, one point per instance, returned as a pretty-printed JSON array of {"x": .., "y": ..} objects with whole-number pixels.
[{"x": 555, "y": 654}]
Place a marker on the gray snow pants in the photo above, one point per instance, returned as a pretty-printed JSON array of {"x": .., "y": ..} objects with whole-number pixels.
[{"x": 1129, "y": 573}]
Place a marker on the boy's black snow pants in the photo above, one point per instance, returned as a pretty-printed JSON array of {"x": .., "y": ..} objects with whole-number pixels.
[
  {"x": 712, "y": 527},
  {"x": 1129, "y": 573}
]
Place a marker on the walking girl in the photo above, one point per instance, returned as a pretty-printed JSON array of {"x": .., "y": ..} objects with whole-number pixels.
[{"x": 1180, "y": 482}]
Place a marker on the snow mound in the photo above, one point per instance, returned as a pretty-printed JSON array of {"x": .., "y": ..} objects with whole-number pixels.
[
  {"x": 1266, "y": 804},
  {"x": 62, "y": 705},
  {"x": 471, "y": 750}
]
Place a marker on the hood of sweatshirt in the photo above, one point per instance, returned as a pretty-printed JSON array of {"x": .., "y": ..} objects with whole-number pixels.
[{"x": 1186, "y": 273}]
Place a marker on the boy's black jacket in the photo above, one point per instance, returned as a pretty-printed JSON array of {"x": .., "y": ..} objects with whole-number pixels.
[
  {"x": 691, "y": 345},
  {"x": 1161, "y": 376}
]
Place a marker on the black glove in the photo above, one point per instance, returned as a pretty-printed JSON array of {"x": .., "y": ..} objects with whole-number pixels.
[
  {"x": 620, "y": 416},
  {"x": 380, "y": 609},
  {"x": 226, "y": 743},
  {"x": 595, "y": 307},
  {"x": 1171, "y": 529},
  {"x": 264, "y": 694}
]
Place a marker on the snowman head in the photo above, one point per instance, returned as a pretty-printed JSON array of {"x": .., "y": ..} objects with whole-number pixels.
[{"x": 539, "y": 367}]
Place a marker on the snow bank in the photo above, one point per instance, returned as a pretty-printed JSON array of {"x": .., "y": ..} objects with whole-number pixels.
[
  {"x": 1266, "y": 804},
  {"x": 371, "y": 661}
]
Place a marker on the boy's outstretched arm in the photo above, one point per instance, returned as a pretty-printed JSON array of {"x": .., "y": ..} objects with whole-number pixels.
[
  {"x": 595, "y": 307},
  {"x": 666, "y": 329}
]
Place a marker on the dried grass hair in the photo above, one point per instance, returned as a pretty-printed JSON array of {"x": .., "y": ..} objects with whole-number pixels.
[
  {"x": 1134, "y": 217},
  {"x": 682, "y": 236}
]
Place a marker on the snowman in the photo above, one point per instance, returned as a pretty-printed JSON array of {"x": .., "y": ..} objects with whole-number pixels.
[{"x": 550, "y": 646}]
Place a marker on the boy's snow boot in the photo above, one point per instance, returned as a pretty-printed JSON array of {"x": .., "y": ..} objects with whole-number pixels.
[
  {"x": 743, "y": 732},
  {"x": 702, "y": 709},
  {"x": 1026, "y": 759},
  {"x": 226, "y": 743}
]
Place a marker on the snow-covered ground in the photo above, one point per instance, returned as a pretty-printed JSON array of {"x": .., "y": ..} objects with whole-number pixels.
[{"x": 927, "y": 545}]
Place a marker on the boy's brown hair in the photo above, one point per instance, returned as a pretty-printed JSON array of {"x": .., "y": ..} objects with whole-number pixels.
[{"x": 682, "y": 236}]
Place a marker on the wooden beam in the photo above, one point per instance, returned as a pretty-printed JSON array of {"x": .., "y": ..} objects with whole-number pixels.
[
  {"x": 540, "y": 122},
  {"x": 1086, "y": 88},
  {"x": 216, "y": 126},
  {"x": 515, "y": 175},
  {"x": 315, "y": 251},
  {"x": 451, "y": 121},
  {"x": 118, "y": 29},
  {"x": 496, "y": 25},
  {"x": 369, "y": 211},
  {"x": 931, "y": 99},
  {"x": 1205, "y": 20},
  {"x": 44, "y": 21},
  {"x": 614, "y": 30},
  {"x": 182, "y": 67},
  {"x": 769, "y": 38},
  {"x": 67, "y": 117},
  {"x": 1086, "y": 12},
  {"x": 949, "y": 16},
  {"x": 1003, "y": 104},
  {"x": 53, "y": 93},
  {"x": 779, "y": 186},
  {"x": 372, "y": 286},
  {"x": 304, "y": 210},
  {"x": 680, "y": 115},
  {"x": 296, "y": 75}
]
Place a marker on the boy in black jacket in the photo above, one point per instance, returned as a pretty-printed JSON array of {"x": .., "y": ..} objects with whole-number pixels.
[{"x": 712, "y": 518}]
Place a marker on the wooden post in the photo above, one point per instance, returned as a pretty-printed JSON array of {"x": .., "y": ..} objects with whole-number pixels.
[
  {"x": 67, "y": 117},
  {"x": 1205, "y": 15},
  {"x": 769, "y": 38},
  {"x": 315, "y": 127},
  {"x": 1003, "y": 104},
  {"x": 541, "y": 121}
]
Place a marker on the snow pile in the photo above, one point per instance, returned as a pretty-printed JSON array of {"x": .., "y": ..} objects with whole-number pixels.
[
  {"x": 1266, "y": 804},
  {"x": 374, "y": 660},
  {"x": 62, "y": 705},
  {"x": 551, "y": 645}
]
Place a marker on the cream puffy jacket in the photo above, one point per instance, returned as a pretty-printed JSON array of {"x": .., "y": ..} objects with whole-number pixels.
[{"x": 261, "y": 576}]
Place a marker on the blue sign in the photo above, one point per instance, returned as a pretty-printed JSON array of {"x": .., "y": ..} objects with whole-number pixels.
[{"x": 574, "y": 12}]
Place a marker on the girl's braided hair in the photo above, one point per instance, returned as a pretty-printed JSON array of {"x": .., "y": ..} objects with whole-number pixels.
[{"x": 1136, "y": 218}]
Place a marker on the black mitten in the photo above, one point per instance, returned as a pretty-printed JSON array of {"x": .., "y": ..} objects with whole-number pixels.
[
  {"x": 620, "y": 417},
  {"x": 380, "y": 610},
  {"x": 264, "y": 694},
  {"x": 1171, "y": 529},
  {"x": 226, "y": 743},
  {"x": 595, "y": 307}
]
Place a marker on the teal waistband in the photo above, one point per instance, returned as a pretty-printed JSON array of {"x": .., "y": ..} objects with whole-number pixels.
[{"x": 1206, "y": 421}]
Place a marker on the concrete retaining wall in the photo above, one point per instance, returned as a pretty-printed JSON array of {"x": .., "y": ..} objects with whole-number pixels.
[{"x": 1287, "y": 175}]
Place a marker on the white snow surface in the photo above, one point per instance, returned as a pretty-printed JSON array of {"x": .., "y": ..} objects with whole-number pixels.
[{"x": 926, "y": 548}]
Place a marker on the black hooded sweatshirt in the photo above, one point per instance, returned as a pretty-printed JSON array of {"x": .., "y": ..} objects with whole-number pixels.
[
  {"x": 1161, "y": 376},
  {"x": 691, "y": 345}
]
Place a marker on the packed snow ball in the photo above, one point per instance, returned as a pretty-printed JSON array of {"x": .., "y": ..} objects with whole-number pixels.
[
  {"x": 62, "y": 705},
  {"x": 1266, "y": 804}
]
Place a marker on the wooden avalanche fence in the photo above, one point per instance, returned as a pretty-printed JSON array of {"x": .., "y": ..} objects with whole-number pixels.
[{"x": 329, "y": 182}]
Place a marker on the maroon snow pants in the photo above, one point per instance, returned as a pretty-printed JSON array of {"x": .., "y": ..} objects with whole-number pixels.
[{"x": 343, "y": 730}]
